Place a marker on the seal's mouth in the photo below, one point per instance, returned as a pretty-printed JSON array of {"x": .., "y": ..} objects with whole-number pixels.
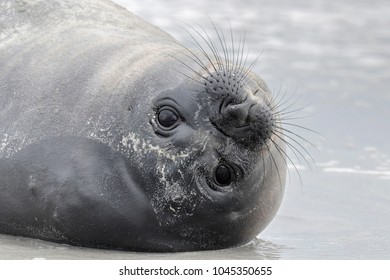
[{"x": 219, "y": 128}]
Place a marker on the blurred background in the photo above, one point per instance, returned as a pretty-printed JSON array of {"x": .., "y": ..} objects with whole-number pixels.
[{"x": 333, "y": 57}]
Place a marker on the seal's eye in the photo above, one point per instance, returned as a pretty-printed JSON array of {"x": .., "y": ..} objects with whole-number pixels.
[
  {"x": 223, "y": 175},
  {"x": 167, "y": 118}
]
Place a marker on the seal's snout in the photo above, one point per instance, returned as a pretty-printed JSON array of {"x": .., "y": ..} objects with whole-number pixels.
[
  {"x": 250, "y": 121},
  {"x": 242, "y": 114}
]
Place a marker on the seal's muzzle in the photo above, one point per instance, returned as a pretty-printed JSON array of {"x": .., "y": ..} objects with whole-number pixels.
[{"x": 241, "y": 114}]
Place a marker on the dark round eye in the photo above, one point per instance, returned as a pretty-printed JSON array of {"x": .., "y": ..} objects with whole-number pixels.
[
  {"x": 167, "y": 118},
  {"x": 223, "y": 175}
]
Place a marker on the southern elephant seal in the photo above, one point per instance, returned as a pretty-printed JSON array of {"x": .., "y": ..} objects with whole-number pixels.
[{"x": 113, "y": 135}]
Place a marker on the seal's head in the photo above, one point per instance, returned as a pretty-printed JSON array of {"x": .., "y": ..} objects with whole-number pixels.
[{"x": 207, "y": 148}]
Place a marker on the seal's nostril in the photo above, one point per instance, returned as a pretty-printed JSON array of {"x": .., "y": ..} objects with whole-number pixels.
[{"x": 246, "y": 121}]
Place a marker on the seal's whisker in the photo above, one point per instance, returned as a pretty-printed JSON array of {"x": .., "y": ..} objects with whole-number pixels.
[
  {"x": 287, "y": 112},
  {"x": 235, "y": 57},
  {"x": 199, "y": 46},
  {"x": 286, "y": 157},
  {"x": 245, "y": 71},
  {"x": 279, "y": 100},
  {"x": 222, "y": 45},
  {"x": 263, "y": 158},
  {"x": 213, "y": 49},
  {"x": 233, "y": 69},
  {"x": 291, "y": 138},
  {"x": 274, "y": 163},
  {"x": 250, "y": 68},
  {"x": 291, "y": 114},
  {"x": 279, "y": 126},
  {"x": 228, "y": 60},
  {"x": 229, "y": 57},
  {"x": 238, "y": 67},
  {"x": 243, "y": 67},
  {"x": 299, "y": 144},
  {"x": 187, "y": 76},
  {"x": 301, "y": 127},
  {"x": 295, "y": 134},
  {"x": 194, "y": 58},
  {"x": 241, "y": 52},
  {"x": 282, "y": 96},
  {"x": 189, "y": 67},
  {"x": 280, "y": 103},
  {"x": 292, "y": 147}
]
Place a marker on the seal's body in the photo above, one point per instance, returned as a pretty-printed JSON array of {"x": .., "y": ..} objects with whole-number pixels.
[{"x": 104, "y": 143}]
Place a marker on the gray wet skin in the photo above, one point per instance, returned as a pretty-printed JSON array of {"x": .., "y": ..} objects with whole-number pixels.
[{"x": 107, "y": 141}]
